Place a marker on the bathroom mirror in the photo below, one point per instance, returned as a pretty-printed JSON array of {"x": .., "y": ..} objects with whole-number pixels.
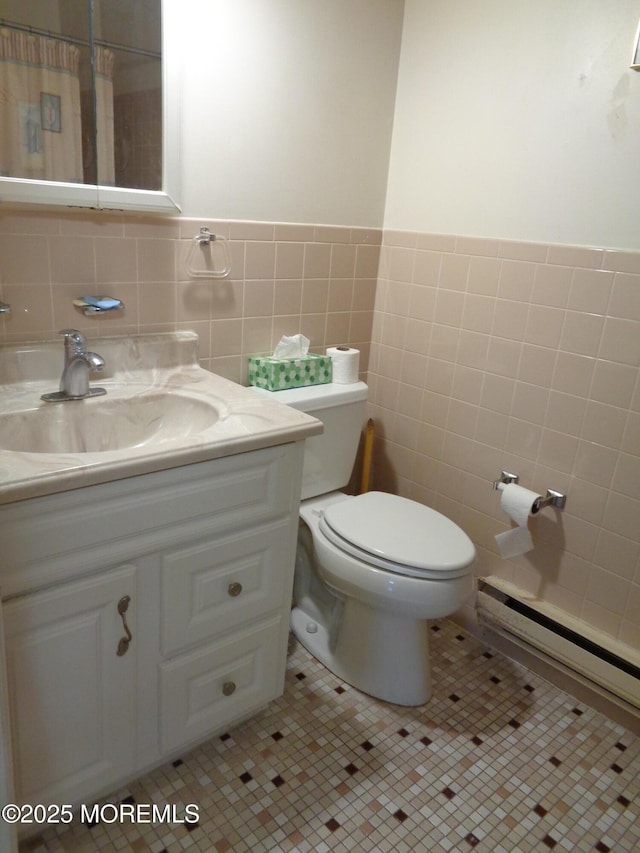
[{"x": 87, "y": 104}]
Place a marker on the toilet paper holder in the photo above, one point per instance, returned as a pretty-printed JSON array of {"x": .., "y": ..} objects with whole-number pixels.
[
  {"x": 505, "y": 478},
  {"x": 552, "y": 498}
]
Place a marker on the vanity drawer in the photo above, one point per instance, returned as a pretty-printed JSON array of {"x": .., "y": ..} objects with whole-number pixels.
[
  {"x": 221, "y": 584},
  {"x": 203, "y": 690}
]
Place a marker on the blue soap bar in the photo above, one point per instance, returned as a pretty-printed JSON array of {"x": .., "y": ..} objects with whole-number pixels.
[{"x": 104, "y": 302}]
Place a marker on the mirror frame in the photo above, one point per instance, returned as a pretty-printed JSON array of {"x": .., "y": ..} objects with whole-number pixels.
[{"x": 98, "y": 197}]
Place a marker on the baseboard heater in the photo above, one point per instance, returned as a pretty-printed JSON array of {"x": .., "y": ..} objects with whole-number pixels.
[{"x": 559, "y": 636}]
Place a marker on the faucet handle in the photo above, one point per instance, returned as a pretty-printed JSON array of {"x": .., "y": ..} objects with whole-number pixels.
[{"x": 72, "y": 337}]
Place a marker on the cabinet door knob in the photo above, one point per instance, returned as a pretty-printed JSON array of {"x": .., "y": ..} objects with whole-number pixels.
[
  {"x": 234, "y": 589},
  {"x": 228, "y": 688},
  {"x": 123, "y": 643}
]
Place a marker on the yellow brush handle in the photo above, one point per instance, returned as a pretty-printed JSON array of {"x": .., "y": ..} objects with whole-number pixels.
[{"x": 366, "y": 457}]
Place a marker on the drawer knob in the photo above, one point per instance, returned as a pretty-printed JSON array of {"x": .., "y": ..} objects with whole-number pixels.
[
  {"x": 228, "y": 688},
  {"x": 234, "y": 589}
]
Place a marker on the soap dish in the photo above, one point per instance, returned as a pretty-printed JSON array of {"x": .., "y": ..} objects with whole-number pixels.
[{"x": 93, "y": 305}]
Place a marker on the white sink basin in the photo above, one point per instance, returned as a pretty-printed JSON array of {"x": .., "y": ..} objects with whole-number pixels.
[
  {"x": 161, "y": 410},
  {"x": 100, "y": 424}
]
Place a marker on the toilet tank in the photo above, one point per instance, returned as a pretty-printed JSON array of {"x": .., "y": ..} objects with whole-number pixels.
[{"x": 328, "y": 458}]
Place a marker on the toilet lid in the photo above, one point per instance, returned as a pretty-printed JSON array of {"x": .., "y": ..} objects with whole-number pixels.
[{"x": 394, "y": 530}]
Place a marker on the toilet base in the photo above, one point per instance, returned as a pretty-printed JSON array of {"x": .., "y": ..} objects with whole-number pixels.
[{"x": 383, "y": 654}]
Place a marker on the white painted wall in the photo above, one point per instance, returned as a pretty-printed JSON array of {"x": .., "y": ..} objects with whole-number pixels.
[
  {"x": 513, "y": 119},
  {"x": 518, "y": 120},
  {"x": 287, "y": 107}
]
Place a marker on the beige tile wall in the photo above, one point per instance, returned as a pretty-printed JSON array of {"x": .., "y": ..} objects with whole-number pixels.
[
  {"x": 318, "y": 280},
  {"x": 491, "y": 355}
]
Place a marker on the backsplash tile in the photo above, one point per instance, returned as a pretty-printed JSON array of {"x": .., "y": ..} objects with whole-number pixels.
[{"x": 286, "y": 278}]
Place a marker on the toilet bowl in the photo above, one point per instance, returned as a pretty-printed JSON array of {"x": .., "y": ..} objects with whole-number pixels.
[
  {"x": 361, "y": 605},
  {"x": 371, "y": 569}
]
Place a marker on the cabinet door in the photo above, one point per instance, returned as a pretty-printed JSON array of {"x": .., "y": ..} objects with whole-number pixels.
[{"x": 71, "y": 695}]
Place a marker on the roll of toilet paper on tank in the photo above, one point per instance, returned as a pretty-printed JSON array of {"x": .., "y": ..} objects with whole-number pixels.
[
  {"x": 519, "y": 504},
  {"x": 346, "y": 364}
]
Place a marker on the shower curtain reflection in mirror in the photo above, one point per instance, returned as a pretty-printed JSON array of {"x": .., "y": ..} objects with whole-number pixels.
[{"x": 41, "y": 133}]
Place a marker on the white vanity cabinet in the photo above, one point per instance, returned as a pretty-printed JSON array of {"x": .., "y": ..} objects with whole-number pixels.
[{"x": 205, "y": 554}]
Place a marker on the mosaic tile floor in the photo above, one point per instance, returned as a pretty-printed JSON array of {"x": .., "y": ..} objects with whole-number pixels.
[{"x": 499, "y": 761}]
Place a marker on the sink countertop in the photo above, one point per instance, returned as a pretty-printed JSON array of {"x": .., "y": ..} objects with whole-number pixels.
[{"x": 136, "y": 366}]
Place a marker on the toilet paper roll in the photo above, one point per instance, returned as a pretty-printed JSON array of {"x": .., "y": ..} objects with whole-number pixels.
[
  {"x": 346, "y": 364},
  {"x": 519, "y": 504},
  {"x": 513, "y": 543}
]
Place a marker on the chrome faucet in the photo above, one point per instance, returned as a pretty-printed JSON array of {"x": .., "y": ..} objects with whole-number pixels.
[{"x": 78, "y": 364}]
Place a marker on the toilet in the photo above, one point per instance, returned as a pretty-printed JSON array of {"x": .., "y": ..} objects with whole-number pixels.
[{"x": 371, "y": 569}]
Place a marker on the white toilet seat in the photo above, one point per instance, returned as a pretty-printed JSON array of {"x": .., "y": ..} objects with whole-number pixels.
[{"x": 398, "y": 535}]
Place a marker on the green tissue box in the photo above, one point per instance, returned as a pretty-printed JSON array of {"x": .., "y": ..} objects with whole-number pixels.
[{"x": 278, "y": 374}]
